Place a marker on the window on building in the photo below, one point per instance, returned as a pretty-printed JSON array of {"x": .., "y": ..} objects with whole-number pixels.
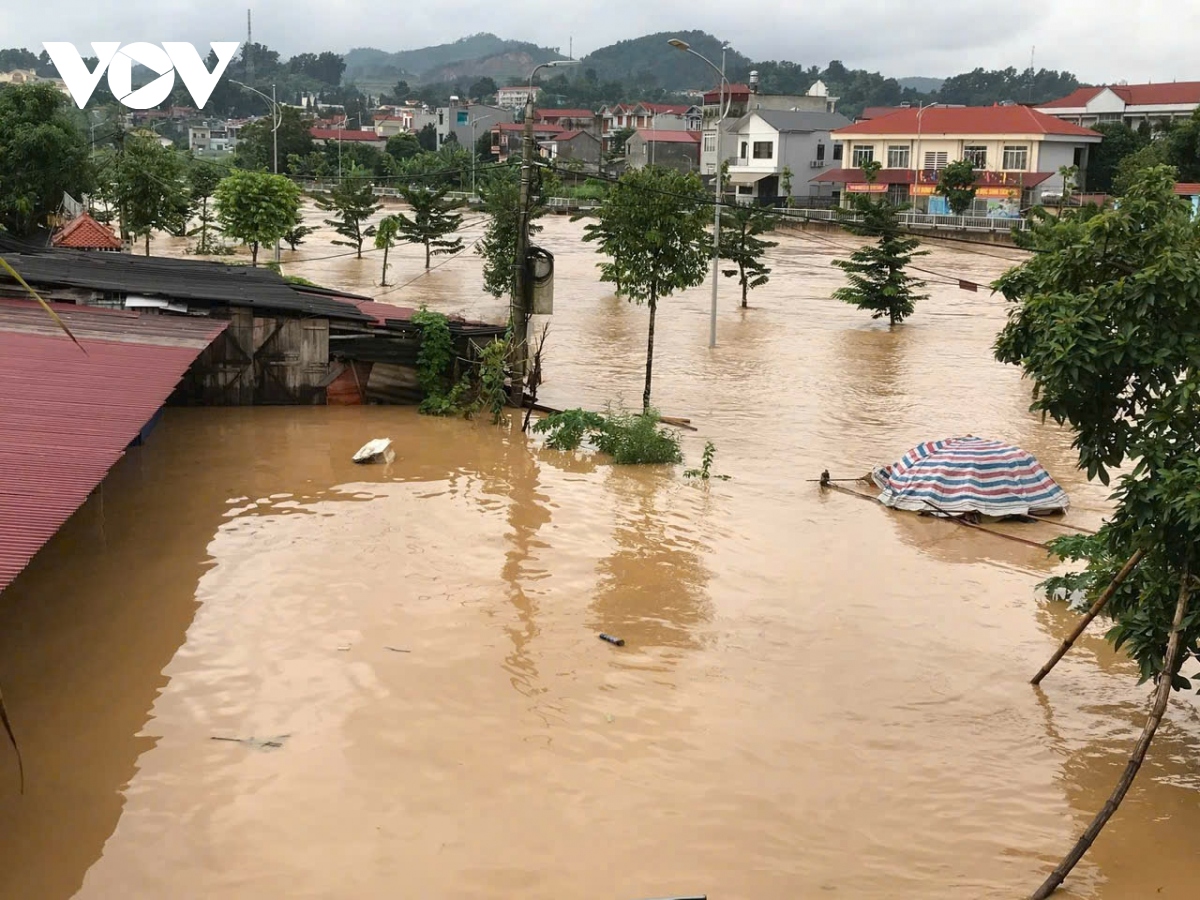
[
  {"x": 746, "y": 189},
  {"x": 745, "y": 150},
  {"x": 837, "y": 152},
  {"x": 710, "y": 143},
  {"x": 1016, "y": 158},
  {"x": 820, "y": 153},
  {"x": 898, "y": 156},
  {"x": 862, "y": 153},
  {"x": 976, "y": 155},
  {"x": 764, "y": 149},
  {"x": 462, "y": 117},
  {"x": 441, "y": 118},
  {"x": 936, "y": 159}
]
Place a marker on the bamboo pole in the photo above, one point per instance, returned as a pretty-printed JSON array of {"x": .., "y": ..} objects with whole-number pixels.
[
  {"x": 1171, "y": 665},
  {"x": 966, "y": 524},
  {"x": 1096, "y": 609}
]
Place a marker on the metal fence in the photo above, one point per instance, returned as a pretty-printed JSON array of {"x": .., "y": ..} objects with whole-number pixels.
[{"x": 912, "y": 220}]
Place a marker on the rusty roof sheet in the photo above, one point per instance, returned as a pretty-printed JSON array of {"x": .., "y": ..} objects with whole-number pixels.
[{"x": 68, "y": 416}]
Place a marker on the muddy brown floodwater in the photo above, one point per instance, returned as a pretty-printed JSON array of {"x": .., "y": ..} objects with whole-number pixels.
[{"x": 816, "y": 698}]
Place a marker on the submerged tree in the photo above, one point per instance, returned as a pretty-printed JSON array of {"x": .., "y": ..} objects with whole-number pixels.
[
  {"x": 652, "y": 227},
  {"x": 203, "y": 178},
  {"x": 151, "y": 188},
  {"x": 353, "y": 203},
  {"x": 433, "y": 220},
  {"x": 1105, "y": 321},
  {"x": 501, "y": 194},
  {"x": 878, "y": 280},
  {"x": 257, "y": 208},
  {"x": 385, "y": 239},
  {"x": 957, "y": 184},
  {"x": 742, "y": 246}
]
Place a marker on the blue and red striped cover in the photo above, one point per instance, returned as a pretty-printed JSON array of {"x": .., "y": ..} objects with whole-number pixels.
[{"x": 969, "y": 474}]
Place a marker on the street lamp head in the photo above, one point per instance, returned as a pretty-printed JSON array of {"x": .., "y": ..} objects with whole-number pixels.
[
  {"x": 561, "y": 63},
  {"x": 679, "y": 45}
]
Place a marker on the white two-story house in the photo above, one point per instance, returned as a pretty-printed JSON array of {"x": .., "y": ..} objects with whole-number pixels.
[
  {"x": 1017, "y": 153},
  {"x": 767, "y": 149}
]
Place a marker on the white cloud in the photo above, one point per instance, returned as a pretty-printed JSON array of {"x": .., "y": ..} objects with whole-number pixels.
[{"x": 1101, "y": 40}]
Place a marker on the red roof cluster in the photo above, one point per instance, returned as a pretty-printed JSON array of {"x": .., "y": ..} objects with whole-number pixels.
[
  {"x": 85, "y": 233},
  {"x": 1133, "y": 94},
  {"x": 967, "y": 120}
]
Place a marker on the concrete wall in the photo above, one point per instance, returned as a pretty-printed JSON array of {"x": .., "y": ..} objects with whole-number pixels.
[{"x": 679, "y": 156}]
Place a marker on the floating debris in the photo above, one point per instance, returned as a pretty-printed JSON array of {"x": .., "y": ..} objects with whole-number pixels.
[
  {"x": 371, "y": 451},
  {"x": 616, "y": 641},
  {"x": 270, "y": 744}
]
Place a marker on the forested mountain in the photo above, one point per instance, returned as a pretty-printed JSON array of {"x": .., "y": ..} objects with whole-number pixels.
[
  {"x": 980, "y": 87},
  {"x": 470, "y": 57},
  {"x": 652, "y": 63}
]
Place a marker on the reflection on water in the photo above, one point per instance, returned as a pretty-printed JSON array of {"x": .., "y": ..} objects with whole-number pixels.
[{"x": 817, "y": 696}]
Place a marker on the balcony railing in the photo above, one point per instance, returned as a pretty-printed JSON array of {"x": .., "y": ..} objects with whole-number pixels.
[{"x": 913, "y": 220}]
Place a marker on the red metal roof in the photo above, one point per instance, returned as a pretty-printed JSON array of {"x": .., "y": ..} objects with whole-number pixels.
[
  {"x": 1169, "y": 92},
  {"x": 666, "y": 108},
  {"x": 874, "y": 112},
  {"x": 571, "y": 135},
  {"x": 928, "y": 176},
  {"x": 543, "y": 127},
  {"x": 68, "y": 416},
  {"x": 1187, "y": 189},
  {"x": 346, "y": 134},
  {"x": 967, "y": 120},
  {"x": 731, "y": 90},
  {"x": 85, "y": 233},
  {"x": 666, "y": 136},
  {"x": 546, "y": 114}
]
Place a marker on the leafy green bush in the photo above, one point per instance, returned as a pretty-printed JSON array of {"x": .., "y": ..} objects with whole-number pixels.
[{"x": 629, "y": 438}]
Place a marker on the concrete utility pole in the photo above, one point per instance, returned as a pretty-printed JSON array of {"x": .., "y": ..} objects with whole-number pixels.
[
  {"x": 520, "y": 307},
  {"x": 276, "y": 121},
  {"x": 723, "y": 106}
]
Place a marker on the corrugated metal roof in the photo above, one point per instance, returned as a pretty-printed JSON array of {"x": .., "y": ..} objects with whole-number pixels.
[
  {"x": 68, "y": 416},
  {"x": 180, "y": 279}
]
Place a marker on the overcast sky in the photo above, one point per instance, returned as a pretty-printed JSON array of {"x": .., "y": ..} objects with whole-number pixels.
[{"x": 1100, "y": 41}]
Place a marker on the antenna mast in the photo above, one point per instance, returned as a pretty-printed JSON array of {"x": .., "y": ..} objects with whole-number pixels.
[{"x": 248, "y": 53}]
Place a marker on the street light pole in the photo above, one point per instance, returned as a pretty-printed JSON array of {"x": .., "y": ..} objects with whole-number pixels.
[
  {"x": 723, "y": 105},
  {"x": 917, "y": 152},
  {"x": 474, "y": 151},
  {"x": 276, "y": 121},
  {"x": 519, "y": 311}
]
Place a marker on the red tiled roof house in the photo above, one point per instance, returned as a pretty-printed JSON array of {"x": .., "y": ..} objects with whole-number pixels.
[
  {"x": 1017, "y": 153},
  {"x": 1133, "y": 104},
  {"x": 85, "y": 233}
]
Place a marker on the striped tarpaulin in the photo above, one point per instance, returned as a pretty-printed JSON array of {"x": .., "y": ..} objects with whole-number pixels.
[{"x": 969, "y": 474}]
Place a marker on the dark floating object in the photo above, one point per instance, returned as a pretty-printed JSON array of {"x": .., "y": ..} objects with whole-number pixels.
[{"x": 616, "y": 641}]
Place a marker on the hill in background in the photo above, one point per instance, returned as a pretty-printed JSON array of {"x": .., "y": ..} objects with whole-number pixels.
[{"x": 469, "y": 57}]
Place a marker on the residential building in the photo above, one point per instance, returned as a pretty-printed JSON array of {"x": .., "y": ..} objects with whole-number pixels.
[
  {"x": 85, "y": 233},
  {"x": 323, "y": 136},
  {"x": 456, "y": 119},
  {"x": 1017, "y": 152},
  {"x": 29, "y": 76},
  {"x": 746, "y": 98},
  {"x": 507, "y": 137},
  {"x": 679, "y": 150},
  {"x": 768, "y": 142},
  {"x": 655, "y": 116},
  {"x": 515, "y": 97},
  {"x": 582, "y": 146},
  {"x": 212, "y": 137},
  {"x": 570, "y": 119},
  {"x": 1133, "y": 104},
  {"x": 387, "y": 126}
]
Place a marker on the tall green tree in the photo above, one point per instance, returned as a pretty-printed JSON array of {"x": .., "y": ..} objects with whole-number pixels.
[
  {"x": 385, "y": 239},
  {"x": 257, "y": 208},
  {"x": 957, "y": 184},
  {"x": 1105, "y": 322},
  {"x": 876, "y": 272},
  {"x": 501, "y": 194},
  {"x": 151, "y": 188},
  {"x": 433, "y": 221},
  {"x": 1119, "y": 142},
  {"x": 353, "y": 203},
  {"x": 43, "y": 154},
  {"x": 652, "y": 228},
  {"x": 427, "y": 137},
  {"x": 255, "y": 146},
  {"x": 403, "y": 145},
  {"x": 203, "y": 178},
  {"x": 742, "y": 246},
  {"x": 1183, "y": 147}
]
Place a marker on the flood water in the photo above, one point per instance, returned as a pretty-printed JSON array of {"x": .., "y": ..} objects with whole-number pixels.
[{"x": 817, "y": 697}]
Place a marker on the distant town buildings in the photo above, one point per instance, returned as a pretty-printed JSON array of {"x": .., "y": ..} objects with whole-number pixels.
[
  {"x": 665, "y": 148},
  {"x": 1132, "y": 104},
  {"x": 1017, "y": 153},
  {"x": 515, "y": 97}
]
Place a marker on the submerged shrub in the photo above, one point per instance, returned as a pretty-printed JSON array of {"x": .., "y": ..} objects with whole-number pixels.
[{"x": 629, "y": 438}]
